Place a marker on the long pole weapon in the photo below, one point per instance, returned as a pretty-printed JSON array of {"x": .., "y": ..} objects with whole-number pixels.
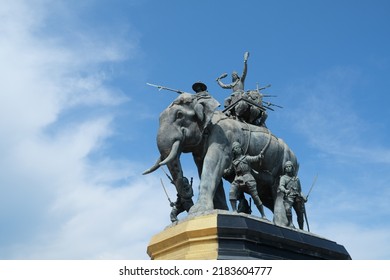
[
  {"x": 165, "y": 88},
  {"x": 312, "y": 185},
  {"x": 162, "y": 184},
  {"x": 307, "y": 196},
  {"x": 169, "y": 177}
]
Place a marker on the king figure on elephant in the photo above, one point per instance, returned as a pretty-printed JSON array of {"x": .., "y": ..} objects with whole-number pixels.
[{"x": 243, "y": 105}]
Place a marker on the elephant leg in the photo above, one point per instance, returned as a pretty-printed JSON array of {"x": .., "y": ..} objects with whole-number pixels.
[
  {"x": 220, "y": 198},
  {"x": 214, "y": 163}
]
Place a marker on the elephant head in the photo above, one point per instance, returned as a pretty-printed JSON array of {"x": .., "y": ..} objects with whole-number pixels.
[{"x": 181, "y": 130}]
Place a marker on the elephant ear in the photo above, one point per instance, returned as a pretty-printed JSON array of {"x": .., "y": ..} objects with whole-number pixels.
[{"x": 204, "y": 109}]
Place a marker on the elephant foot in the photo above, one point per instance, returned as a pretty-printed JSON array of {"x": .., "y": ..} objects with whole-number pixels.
[{"x": 200, "y": 207}]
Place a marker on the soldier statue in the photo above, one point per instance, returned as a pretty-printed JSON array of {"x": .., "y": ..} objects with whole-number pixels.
[
  {"x": 184, "y": 200},
  {"x": 293, "y": 197},
  {"x": 244, "y": 182}
]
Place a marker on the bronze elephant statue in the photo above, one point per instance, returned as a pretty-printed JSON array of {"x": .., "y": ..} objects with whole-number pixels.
[{"x": 192, "y": 124}]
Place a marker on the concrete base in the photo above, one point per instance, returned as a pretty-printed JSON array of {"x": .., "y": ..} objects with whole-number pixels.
[{"x": 224, "y": 235}]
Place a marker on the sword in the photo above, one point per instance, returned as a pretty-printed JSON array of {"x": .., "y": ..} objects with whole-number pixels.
[
  {"x": 169, "y": 177},
  {"x": 312, "y": 185}
]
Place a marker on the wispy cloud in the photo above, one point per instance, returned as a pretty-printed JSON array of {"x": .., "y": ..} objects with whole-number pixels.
[
  {"x": 326, "y": 114},
  {"x": 56, "y": 201},
  {"x": 350, "y": 202}
]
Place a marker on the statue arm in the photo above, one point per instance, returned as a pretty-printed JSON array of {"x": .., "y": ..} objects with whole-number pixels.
[
  {"x": 222, "y": 85},
  {"x": 253, "y": 159},
  {"x": 282, "y": 185},
  {"x": 228, "y": 171},
  {"x": 245, "y": 70}
]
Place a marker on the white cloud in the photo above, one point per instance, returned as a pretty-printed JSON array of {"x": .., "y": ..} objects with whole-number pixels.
[
  {"x": 56, "y": 201},
  {"x": 325, "y": 113},
  {"x": 62, "y": 197},
  {"x": 349, "y": 204},
  {"x": 100, "y": 222}
]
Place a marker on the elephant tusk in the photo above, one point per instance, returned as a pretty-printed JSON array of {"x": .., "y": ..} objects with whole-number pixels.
[
  {"x": 153, "y": 168},
  {"x": 172, "y": 154}
]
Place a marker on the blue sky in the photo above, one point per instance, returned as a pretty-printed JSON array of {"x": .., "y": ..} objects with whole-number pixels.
[{"x": 78, "y": 122}]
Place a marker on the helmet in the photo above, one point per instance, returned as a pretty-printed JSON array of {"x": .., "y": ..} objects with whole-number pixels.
[
  {"x": 199, "y": 86},
  {"x": 288, "y": 163},
  {"x": 236, "y": 144}
]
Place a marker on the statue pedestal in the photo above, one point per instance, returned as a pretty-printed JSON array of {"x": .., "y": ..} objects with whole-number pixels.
[{"x": 223, "y": 235}]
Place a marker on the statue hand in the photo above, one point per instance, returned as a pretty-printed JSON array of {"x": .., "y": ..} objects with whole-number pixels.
[{"x": 246, "y": 55}]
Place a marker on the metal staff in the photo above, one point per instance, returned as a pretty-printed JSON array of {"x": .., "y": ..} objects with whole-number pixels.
[
  {"x": 307, "y": 196},
  {"x": 166, "y": 88},
  {"x": 304, "y": 212},
  {"x": 169, "y": 177},
  {"x": 259, "y": 89},
  {"x": 271, "y": 104},
  {"x": 312, "y": 185},
  {"x": 262, "y": 108},
  {"x": 170, "y": 201}
]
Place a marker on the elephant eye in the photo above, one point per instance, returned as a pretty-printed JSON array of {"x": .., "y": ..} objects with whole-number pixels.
[{"x": 179, "y": 115}]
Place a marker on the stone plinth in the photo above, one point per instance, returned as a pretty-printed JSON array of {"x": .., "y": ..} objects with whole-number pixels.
[{"x": 224, "y": 235}]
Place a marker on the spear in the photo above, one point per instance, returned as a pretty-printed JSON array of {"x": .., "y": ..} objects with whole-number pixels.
[{"x": 166, "y": 88}]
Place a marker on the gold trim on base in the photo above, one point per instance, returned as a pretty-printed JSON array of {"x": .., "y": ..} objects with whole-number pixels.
[{"x": 194, "y": 239}]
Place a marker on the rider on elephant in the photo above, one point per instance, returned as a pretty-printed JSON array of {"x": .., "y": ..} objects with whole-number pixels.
[
  {"x": 243, "y": 110},
  {"x": 237, "y": 85},
  {"x": 200, "y": 90},
  {"x": 290, "y": 185},
  {"x": 244, "y": 180}
]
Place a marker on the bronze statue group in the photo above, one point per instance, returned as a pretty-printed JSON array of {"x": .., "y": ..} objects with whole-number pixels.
[{"x": 248, "y": 107}]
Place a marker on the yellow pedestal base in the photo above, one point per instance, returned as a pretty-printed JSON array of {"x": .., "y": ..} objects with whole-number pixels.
[
  {"x": 223, "y": 235},
  {"x": 195, "y": 239}
]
